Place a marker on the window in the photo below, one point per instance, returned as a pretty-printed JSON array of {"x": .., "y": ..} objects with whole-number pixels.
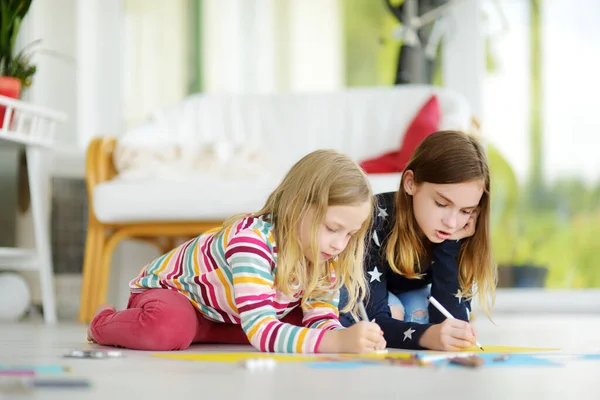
[
  {"x": 161, "y": 55},
  {"x": 539, "y": 119},
  {"x": 546, "y": 170}
]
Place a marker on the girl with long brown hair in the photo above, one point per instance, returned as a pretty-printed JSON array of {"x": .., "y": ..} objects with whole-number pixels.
[{"x": 432, "y": 237}]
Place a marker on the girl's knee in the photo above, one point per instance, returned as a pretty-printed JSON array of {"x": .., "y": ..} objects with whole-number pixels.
[
  {"x": 166, "y": 328},
  {"x": 418, "y": 315},
  {"x": 397, "y": 312},
  {"x": 414, "y": 305}
]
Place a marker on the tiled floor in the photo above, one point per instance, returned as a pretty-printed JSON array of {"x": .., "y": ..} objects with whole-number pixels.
[{"x": 138, "y": 375}]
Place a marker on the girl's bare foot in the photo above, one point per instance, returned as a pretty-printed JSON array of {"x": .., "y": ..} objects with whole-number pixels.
[{"x": 103, "y": 307}]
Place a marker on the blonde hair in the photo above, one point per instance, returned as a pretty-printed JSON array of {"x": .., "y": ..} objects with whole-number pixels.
[
  {"x": 447, "y": 157},
  {"x": 320, "y": 179}
]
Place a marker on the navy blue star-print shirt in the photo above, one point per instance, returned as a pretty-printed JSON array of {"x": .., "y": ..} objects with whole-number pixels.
[{"x": 441, "y": 272}]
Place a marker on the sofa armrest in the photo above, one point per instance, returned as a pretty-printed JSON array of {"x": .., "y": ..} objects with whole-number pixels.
[{"x": 99, "y": 166}]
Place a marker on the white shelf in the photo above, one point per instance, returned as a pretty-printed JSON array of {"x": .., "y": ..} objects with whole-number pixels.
[
  {"x": 18, "y": 259},
  {"x": 34, "y": 128},
  {"x": 23, "y": 139},
  {"x": 28, "y": 124}
]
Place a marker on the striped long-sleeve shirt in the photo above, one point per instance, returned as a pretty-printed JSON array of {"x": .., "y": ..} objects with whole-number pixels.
[{"x": 229, "y": 277}]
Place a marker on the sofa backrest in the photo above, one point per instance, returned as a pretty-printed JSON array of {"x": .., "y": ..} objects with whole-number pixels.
[{"x": 361, "y": 122}]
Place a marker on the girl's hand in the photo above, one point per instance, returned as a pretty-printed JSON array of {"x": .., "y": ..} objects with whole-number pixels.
[
  {"x": 450, "y": 335},
  {"x": 362, "y": 337},
  {"x": 382, "y": 344},
  {"x": 468, "y": 230}
]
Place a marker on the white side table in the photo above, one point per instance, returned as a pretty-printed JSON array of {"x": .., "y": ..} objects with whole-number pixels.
[{"x": 34, "y": 128}]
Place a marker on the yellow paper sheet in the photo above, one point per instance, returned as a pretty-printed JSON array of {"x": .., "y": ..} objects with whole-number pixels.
[
  {"x": 508, "y": 349},
  {"x": 237, "y": 357}
]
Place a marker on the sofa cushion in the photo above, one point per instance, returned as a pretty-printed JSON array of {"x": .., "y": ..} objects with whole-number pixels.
[
  {"x": 423, "y": 124},
  {"x": 120, "y": 200}
]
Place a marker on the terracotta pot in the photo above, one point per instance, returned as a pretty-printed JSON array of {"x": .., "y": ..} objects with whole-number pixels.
[{"x": 9, "y": 87}]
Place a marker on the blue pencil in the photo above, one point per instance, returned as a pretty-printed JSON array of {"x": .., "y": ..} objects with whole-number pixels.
[{"x": 38, "y": 369}]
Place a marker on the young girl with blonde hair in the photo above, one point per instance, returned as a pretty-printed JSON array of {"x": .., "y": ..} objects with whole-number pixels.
[
  {"x": 432, "y": 237},
  {"x": 271, "y": 278}
]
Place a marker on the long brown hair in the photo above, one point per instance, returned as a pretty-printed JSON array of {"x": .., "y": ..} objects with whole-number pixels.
[
  {"x": 446, "y": 157},
  {"x": 320, "y": 179}
]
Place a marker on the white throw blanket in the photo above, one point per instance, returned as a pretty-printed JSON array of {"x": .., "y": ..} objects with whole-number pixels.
[
  {"x": 224, "y": 160},
  {"x": 185, "y": 142}
]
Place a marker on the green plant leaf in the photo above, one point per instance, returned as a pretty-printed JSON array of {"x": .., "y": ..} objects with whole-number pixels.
[{"x": 12, "y": 13}]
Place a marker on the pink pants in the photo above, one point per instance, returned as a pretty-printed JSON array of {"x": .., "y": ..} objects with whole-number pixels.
[{"x": 162, "y": 320}]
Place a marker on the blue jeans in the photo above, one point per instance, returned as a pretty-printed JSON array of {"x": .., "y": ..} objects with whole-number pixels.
[{"x": 414, "y": 303}]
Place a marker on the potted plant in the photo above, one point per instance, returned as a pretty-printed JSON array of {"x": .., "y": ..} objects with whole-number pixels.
[
  {"x": 521, "y": 269},
  {"x": 16, "y": 69},
  {"x": 517, "y": 235}
]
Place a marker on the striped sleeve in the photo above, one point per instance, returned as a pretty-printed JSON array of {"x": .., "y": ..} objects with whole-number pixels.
[
  {"x": 323, "y": 313},
  {"x": 251, "y": 260}
]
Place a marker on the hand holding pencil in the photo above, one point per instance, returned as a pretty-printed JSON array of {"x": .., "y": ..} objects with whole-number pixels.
[
  {"x": 451, "y": 335},
  {"x": 364, "y": 318},
  {"x": 362, "y": 337}
]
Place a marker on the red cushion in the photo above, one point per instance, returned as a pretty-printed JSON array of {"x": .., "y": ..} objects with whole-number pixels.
[{"x": 424, "y": 124}]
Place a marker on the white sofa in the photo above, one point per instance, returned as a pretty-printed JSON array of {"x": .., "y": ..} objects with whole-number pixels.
[
  {"x": 279, "y": 129},
  {"x": 153, "y": 177}
]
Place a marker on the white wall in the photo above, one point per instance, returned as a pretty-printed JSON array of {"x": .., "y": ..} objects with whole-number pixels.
[
  {"x": 155, "y": 66},
  {"x": 265, "y": 46},
  {"x": 118, "y": 60},
  {"x": 107, "y": 79},
  {"x": 55, "y": 83},
  {"x": 103, "y": 81},
  {"x": 463, "y": 52},
  {"x": 83, "y": 77},
  {"x": 316, "y": 58},
  {"x": 79, "y": 74},
  {"x": 79, "y": 71},
  {"x": 99, "y": 32}
]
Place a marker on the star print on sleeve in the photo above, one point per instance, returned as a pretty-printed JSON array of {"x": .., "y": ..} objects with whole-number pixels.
[
  {"x": 375, "y": 275},
  {"x": 459, "y": 295},
  {"x": 408, "y": 333},
  {"x": 445, "y": 282},
  {"x": 376, "y": 239},
  {"x": 382, "y": 212}
]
